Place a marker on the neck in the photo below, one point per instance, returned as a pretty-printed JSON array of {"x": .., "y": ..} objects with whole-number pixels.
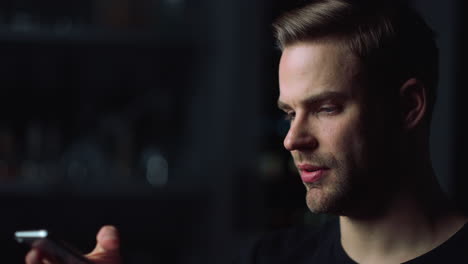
[{"x": 415, "y": 220}]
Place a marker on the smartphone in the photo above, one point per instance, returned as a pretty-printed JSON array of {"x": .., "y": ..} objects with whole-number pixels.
[{"x": 58, "y": 250}]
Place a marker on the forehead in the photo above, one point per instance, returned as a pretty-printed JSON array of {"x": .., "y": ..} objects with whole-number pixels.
[{"x": 310, "y": 68}]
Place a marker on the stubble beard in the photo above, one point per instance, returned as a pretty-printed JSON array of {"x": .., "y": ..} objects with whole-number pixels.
[
  {"x": 348, "y": 190},
  {"x": 333, "y": 193},
  {"x": 330, "y": 196}
]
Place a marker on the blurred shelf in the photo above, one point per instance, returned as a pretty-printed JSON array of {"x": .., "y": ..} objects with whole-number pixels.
[
  {"x": 96, "y": 36},
  {"x": 93, "y": 191}
]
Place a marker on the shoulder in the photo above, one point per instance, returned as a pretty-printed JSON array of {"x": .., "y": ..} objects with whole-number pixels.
[
  {"x": 454, "y": 250},
  {"x": 292, "y": 245}
]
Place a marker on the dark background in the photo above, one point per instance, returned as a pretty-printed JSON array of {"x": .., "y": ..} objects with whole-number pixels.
[{"x": 159, "y": 117}]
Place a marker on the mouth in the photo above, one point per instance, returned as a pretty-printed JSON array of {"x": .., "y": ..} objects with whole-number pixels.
[{"x": 310, "y": 173}]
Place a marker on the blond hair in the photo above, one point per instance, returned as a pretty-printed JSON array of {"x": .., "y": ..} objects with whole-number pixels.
[{"x": 389, "y": 37}]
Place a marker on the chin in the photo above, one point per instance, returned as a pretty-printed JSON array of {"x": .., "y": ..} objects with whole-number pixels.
[
  {"x": 320, "y": 202},
  {"x": 317, "y": 201}
]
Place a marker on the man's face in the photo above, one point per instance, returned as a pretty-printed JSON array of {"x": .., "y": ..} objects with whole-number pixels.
[{"x": 323, "y": 96}]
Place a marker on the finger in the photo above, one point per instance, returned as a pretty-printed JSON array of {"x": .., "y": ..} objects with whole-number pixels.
[
  {"x": 108, "y": 241},
  {"x": 33, "y": 257}
]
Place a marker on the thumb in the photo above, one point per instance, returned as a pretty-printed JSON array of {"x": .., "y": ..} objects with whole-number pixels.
[{"x": 108, "y": 243}]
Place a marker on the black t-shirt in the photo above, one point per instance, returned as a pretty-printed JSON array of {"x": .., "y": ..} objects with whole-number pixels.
[{"x": 304, "y": 245}]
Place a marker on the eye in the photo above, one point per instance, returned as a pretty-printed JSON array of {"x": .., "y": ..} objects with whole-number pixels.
[
  {"x": 329, "y": 109},
  {"x": 289, "y": 116}
]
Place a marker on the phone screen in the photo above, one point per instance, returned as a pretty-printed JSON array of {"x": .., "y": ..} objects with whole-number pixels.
[{"x": 57, "y": 250}]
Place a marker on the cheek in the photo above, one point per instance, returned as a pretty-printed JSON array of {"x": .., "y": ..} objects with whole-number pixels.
[{"x": 342, "y": 137}]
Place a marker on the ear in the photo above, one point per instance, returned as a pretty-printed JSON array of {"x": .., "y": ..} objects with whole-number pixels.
[{"x": 413, "y": 102}]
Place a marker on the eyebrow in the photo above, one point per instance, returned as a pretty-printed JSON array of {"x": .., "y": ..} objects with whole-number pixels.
[{"x": 316, "y": 99}]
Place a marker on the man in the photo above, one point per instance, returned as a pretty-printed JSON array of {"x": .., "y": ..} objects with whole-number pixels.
[{"x": 357, "y": 82}]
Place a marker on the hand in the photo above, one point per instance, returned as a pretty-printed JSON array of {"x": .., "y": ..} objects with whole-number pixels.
[{"x": 105, "y": 252}]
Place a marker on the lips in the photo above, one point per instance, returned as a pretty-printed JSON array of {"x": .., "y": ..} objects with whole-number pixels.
[{"x": 310, "y": 173}]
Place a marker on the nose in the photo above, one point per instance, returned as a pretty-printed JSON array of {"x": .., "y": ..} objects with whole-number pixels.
[{"x": 300, "y": 137}]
